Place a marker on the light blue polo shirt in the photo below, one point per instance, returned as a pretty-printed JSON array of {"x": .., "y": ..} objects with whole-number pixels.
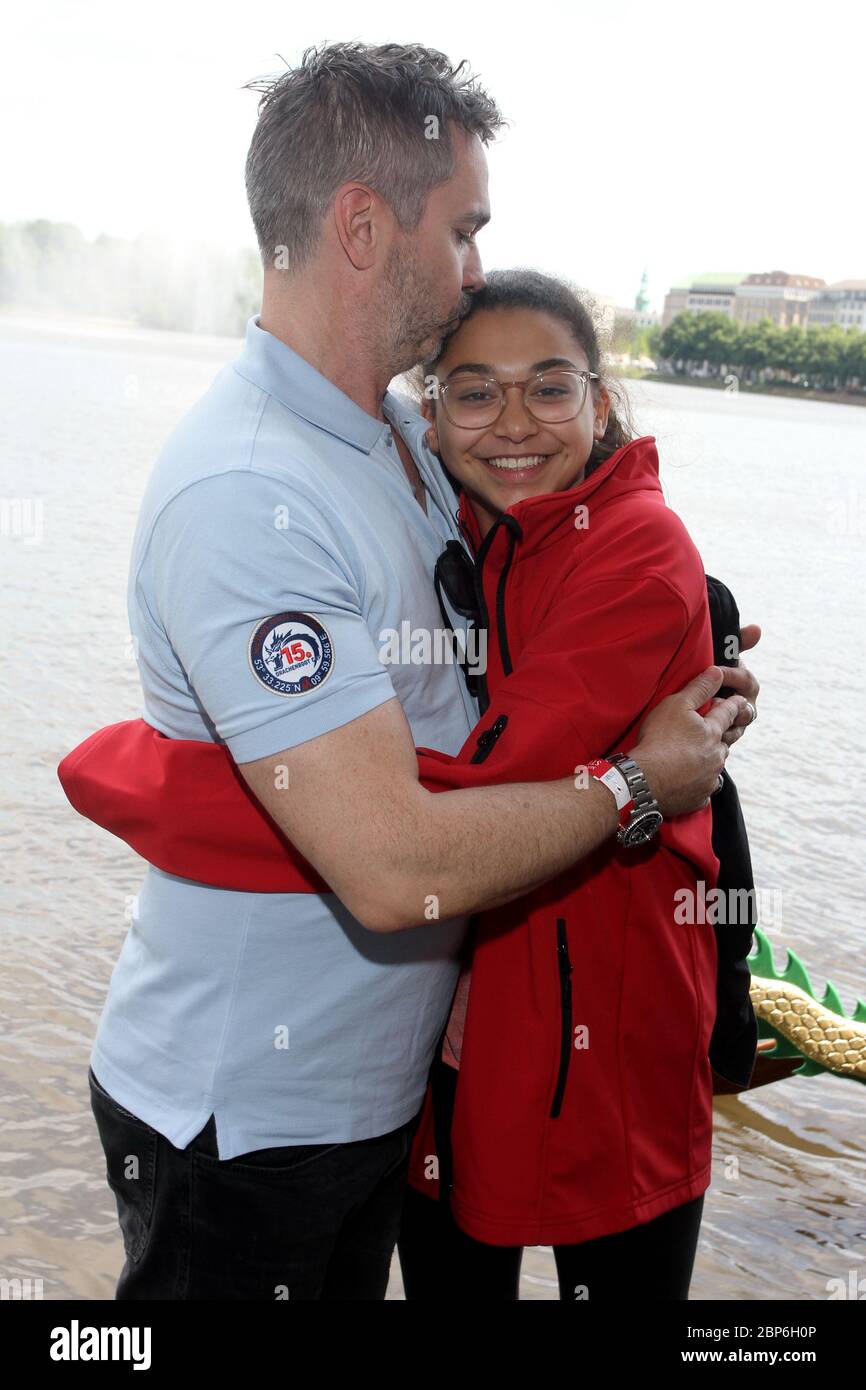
[{"x": 279, "y": 541}]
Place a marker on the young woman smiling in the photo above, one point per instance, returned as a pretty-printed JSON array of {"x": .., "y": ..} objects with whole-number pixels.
[{"x": 572, "y": 1102}]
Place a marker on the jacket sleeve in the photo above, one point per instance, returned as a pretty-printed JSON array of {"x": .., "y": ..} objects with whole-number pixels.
[
  {"x": 608, "y": 651},
  {"x": 629, "y": 625}
]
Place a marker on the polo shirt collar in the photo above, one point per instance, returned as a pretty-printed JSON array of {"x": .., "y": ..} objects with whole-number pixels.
[{"x": 278, "y": 369}]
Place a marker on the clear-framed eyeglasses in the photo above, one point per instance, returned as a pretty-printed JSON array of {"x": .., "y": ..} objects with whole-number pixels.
[{"x": 476, "y": 402}]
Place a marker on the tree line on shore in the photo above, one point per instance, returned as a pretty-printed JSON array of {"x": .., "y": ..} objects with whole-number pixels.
[{"x": 831, "y": 359}]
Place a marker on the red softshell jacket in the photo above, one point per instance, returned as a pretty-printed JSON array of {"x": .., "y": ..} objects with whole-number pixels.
[{"x": 584, "y": 1096}]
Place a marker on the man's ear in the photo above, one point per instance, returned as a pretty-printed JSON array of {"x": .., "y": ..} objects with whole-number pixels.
[{"x": 358, "y": 221}]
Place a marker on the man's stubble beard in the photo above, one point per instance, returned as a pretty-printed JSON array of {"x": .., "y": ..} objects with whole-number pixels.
[{"x": 414, "y": 332}]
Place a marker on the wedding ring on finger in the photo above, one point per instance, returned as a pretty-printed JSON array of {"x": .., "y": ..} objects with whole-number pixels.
[
  {"x": 750, "y": 706},
  {"x": 719, "y": 784}
]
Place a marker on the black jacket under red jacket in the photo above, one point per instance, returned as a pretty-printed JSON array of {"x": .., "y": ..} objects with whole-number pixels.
[{"x": 595, "y": 615}]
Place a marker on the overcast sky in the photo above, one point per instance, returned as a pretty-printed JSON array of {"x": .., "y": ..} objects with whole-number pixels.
[{"x": 669, "y": 136}]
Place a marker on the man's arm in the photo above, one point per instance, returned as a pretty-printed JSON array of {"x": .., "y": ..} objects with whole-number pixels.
[
  {"x": 184, "y": 806},
  {"x": 351, "y": 802}
]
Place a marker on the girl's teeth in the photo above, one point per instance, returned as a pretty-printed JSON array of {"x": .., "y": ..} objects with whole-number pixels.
[{"x": 529, "y": 461}]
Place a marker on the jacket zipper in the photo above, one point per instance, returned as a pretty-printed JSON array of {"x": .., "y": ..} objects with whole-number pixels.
[
  {"x": 504, "y": 652},
  {"x": 565, "y": 971},
  {"x": 514, "y": 531},
  {"x": 488, "y": 738}
]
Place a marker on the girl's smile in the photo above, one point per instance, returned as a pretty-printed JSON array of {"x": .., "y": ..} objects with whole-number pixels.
[{"x": 517, "y": 466}]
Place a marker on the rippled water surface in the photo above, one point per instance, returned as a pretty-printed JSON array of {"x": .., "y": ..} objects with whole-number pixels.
[{"x": 774, "y": 493}]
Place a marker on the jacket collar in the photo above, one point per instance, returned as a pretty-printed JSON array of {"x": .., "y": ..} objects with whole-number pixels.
[{"x": 539, "y": 521}]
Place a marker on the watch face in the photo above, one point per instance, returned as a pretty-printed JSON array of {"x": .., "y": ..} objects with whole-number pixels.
[{"x": 642, "y": 829}]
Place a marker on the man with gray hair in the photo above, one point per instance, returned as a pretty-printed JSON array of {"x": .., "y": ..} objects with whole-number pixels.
[{"x": 262, "y": 1057}]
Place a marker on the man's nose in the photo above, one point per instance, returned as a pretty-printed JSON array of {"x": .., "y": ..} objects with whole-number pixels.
[{"x": 473, "y": 273}]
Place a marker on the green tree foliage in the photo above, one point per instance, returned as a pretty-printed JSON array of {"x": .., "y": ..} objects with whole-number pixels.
[{"x": 711, "y": 344}]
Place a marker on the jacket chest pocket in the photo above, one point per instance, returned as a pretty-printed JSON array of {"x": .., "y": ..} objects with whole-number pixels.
[{"x": 564, "y": 972}]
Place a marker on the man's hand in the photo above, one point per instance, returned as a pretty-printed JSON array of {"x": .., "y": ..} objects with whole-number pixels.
[{"x": 683, "y": 752}]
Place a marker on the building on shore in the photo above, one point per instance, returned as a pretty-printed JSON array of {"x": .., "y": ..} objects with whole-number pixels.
[
  {"x": 843, "y": 302},
  {"x": 776, "y": 295},
  {"x": 715, "y": 290},
  {"x": 787, "y": 300}
]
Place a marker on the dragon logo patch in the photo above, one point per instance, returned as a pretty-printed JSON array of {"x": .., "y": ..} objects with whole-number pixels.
[{"x": 291, "y": 653}]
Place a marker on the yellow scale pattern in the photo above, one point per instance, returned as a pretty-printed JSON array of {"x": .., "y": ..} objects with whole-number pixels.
[{"x": 821, "y": 1035}]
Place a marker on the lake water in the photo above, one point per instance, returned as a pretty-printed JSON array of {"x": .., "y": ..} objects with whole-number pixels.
[{"x": 774, "y": 493}]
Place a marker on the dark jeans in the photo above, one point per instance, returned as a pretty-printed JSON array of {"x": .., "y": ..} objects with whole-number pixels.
[
  {"x": 648, "y": 1263},
  {"x": 304, "y": 1222}
]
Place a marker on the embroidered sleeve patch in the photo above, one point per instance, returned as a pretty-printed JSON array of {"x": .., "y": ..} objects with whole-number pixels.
[{"x": 291, "y": 653}]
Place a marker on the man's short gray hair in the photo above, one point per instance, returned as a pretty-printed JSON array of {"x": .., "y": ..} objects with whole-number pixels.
[{"x": 378, "y": 114}]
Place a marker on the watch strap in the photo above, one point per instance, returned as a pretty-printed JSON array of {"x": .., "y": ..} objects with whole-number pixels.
[{"x": 604, "y": 771}]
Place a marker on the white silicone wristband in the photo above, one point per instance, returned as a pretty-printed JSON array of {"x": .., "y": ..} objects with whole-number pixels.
[{"x": 615, "y": 782}]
